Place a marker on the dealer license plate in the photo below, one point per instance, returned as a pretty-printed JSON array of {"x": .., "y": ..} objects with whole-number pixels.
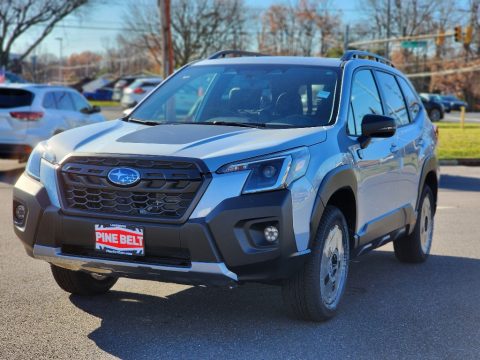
[{"x": 119, "y": 239}]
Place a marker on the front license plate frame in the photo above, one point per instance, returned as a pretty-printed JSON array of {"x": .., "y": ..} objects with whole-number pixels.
[{"x": 119, "y": 239}]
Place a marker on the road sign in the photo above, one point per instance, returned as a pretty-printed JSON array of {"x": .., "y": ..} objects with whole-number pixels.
[{"x": 413, "y": 44}]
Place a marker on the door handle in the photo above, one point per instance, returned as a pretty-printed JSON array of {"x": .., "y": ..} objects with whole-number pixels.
[{"x": 393, "y": 148}]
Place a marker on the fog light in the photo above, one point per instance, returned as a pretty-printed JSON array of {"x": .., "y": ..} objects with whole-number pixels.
[
  {"x": 271, "y": 233},
  {"x": 20, "y": 213}
]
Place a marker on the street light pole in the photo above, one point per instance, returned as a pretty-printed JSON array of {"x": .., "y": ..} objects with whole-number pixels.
[
  {"x": 60, "y": 61},
  {"x": 387, "y": 44}
]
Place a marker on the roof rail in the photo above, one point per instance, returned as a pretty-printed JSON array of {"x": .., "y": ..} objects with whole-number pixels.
[
  {"x": 223, "y": 54},
  {"x": 358, "y": 54}
]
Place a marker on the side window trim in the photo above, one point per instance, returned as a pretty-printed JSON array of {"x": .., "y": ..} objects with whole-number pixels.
[
  {"x": 383, "y": 98},
  {"x": 350, "y": 105},
  {"x": 350, "y": 109}
]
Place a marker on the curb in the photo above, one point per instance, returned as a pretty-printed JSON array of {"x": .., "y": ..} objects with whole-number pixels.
[{"x": 463, "y": 162}]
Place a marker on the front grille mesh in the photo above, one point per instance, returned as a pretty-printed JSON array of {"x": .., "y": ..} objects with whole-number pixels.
[{"x": 166, "y": 190}]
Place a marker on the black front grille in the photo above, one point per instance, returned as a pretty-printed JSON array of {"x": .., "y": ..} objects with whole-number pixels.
[{"x": 167, "y": 189}]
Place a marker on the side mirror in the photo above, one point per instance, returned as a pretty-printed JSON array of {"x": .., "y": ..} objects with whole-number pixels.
[
  {"x": 91, "y": 110},
  {"x": 376, "y": 126}
]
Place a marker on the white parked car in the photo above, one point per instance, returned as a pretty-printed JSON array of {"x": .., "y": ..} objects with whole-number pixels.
[
  {"x": 137, "y": 90},
  {"x": 31, "y": 113}
]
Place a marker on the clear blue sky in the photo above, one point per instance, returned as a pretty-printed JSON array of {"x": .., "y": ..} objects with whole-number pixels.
[{"x": 109, "y": 14}]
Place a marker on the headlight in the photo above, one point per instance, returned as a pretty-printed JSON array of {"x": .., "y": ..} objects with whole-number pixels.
[
  {"x": 273, "y": 172},
  {"x": 41, "y": 151}
]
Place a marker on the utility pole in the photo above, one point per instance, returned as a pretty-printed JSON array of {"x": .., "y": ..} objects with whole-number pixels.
[
  {"x": 166, "y": 31},
  {"x": 60, "y": 59},
  {"x": 387, "y": 44}
]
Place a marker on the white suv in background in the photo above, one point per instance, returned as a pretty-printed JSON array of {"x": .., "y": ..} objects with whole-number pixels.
[
  {"x": 31, "y": 113},
  {"x": 137, "y": 90}
]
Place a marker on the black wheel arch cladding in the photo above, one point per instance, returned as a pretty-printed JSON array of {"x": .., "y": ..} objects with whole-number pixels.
[
  {"x": 341, "y": 178},
  {"x": 429, "y": 168}
]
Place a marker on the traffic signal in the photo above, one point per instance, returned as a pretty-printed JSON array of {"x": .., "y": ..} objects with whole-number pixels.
[
  {"x": 440, "y": 38},
  {"x": 458, "y": 34},
  {"x": 468, "y": 35}
]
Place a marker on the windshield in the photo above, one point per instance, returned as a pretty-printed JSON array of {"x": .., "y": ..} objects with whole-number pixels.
[{"x": 262, "y": 95}]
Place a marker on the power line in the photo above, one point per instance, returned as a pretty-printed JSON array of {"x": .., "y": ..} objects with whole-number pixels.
[
  {"x": 445, "y": 72},
  {"x": 401, "y": 38},
  {"x": 81, "y": 27}
]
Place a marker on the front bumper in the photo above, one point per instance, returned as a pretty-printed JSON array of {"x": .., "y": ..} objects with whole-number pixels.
[{"x": 225, "y": 247}]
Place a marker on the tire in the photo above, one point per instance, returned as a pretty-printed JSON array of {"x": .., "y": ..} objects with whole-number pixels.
[
  {"x": 304, "y": 295},
  {"x": 415, "y": 248},
  {"x": 82, "y": 283},
  {"x": 435, "y": 115}
]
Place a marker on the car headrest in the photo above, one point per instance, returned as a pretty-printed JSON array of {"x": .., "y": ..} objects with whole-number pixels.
[{"x": 289, "y": 103}]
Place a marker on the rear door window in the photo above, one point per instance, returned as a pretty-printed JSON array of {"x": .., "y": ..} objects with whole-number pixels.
[
  {"x": 49, "y": 101},
  {"x": 64, "y": 101},
  {"x": 12, "y": 98},
  {"x": 394, "y": 101}
]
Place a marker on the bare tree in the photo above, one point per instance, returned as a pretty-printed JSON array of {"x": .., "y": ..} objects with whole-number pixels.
[
  {"x": 19, "y": 16},
  {"x": 407, "y": 17},
  {"x": 475, "y": 22},
  {"x": 84, "y": 64},
  {"x": 144, "y": 30},
  {"x": 198, "y": 28},
  {"x": 303, "y": 28}
]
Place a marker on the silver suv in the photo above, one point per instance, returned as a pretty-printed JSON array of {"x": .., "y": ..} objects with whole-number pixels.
[{"x": 282, "y": 171}]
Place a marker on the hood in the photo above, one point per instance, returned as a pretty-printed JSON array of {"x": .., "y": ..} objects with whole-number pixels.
[{"x": 215, "y": 145}]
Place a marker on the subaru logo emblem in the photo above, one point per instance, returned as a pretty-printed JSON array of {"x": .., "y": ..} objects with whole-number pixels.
[{"x": 123, "y": 176}]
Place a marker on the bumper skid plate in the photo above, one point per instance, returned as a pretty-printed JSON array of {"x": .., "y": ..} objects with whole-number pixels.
[{"x": 197, "y": 270}]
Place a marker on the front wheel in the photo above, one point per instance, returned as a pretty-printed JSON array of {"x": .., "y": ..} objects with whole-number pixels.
[
  {"x": 82, "y": 283},
  {"x": 415, "y": 247},
  {"x": 314, "y": 293}
]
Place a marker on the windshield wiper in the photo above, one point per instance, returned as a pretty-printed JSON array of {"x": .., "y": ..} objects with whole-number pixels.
[
  {"x": 241, "y": 124},
  {"x": 143, "y": 122},
  {"x": 224, "y": 123}
]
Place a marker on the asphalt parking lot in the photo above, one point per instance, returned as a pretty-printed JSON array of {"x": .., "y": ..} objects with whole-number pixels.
[
  {"x": 112, "y": 112},
  {"x": 390, "y": 310}
]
